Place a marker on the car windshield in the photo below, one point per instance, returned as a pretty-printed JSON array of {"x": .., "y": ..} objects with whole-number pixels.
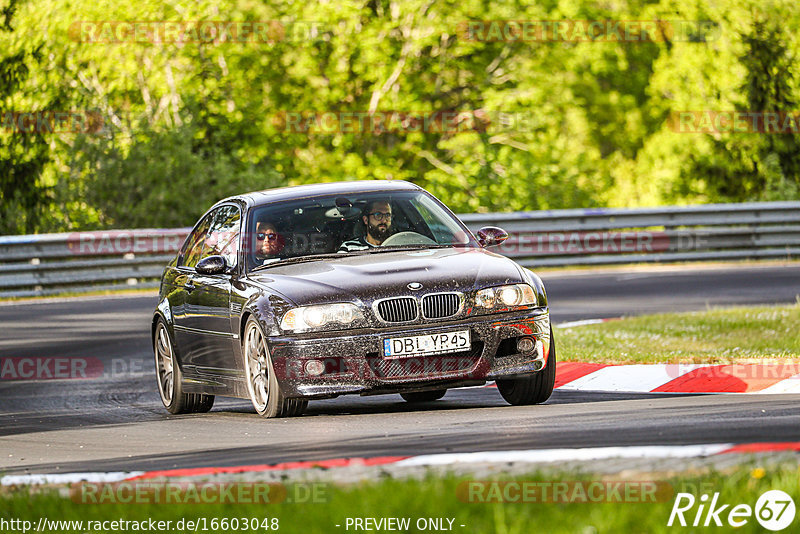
[{"x": 357, "y": 223}]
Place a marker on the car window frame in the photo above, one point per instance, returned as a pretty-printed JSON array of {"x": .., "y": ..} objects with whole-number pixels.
[
  {"x": 207, "y": 216},
  {"x": 184, "y": 248},
  {"x": 235, "y": 266}
]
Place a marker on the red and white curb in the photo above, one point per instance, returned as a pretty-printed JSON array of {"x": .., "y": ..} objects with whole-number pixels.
[
  {"x": 426, "y": 460},
  {"x": 763, "y": 378},
  {"x": 773, "y": 377}
]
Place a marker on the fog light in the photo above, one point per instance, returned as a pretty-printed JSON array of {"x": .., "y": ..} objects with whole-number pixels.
[
  {"x": 525, "y": 345},
  {"x": 538, "y": 365},
  {"x": 315, "y": 367}
]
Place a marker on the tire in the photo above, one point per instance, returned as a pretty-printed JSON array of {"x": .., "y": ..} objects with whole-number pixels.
[
  {"x": 295, "y": 407},
  {"x": 262, "y": 384},
  {"x": 533, "y": 389},
  {"x": 204, "y": 404},
  {"x": 424, "y": 396},
  {"x": 170, "y": 378}
]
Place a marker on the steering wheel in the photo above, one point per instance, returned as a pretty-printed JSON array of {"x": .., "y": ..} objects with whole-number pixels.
[{"x": 407, "y": 238}]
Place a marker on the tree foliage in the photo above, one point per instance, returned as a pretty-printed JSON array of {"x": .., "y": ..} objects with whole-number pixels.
[{"x": 188, "y": 123}]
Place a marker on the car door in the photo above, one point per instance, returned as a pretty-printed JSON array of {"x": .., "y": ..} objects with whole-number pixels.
[
  {"x": 204, "y": 329},
  {"x": 181, "y": 285}
]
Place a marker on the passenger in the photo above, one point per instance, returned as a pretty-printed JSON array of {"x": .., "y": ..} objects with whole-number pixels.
[{"x": 377, "y": 219}]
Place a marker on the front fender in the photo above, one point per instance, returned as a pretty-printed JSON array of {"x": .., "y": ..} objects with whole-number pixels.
[
  {"x": 533, "y": 279},
  {"x": 268, "y": 309}
]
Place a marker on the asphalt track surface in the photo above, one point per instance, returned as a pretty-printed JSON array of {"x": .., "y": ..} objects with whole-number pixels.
[{"x": 117, "y": 423}]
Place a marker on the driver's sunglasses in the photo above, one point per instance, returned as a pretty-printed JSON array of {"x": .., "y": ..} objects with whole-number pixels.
[
  {"x": 271, "y": 237},
  {"x": 380, "y": 216}
]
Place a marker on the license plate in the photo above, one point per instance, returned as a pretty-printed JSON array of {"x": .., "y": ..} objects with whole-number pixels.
[{"x": 428, "y": 344}]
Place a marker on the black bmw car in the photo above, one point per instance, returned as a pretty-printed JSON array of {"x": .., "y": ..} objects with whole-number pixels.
[{"x": 366, "y": 288}]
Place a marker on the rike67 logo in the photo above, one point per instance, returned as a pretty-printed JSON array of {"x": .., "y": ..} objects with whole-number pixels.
[{"x": 774, "y": 510}]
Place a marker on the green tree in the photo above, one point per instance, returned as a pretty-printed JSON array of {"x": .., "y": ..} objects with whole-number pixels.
[
  {"x": 758, "y": 166},
  {"x": 24, "y": 157},
  {"x": 206, "y": 117}
]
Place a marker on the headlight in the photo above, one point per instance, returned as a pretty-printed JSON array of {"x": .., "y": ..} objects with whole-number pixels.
[
  {"x": 505, "y": 296},
  {"x": 313, "y": 317}
]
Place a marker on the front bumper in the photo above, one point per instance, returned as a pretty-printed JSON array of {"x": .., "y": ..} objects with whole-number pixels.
[{"x": 354, "y": 360}]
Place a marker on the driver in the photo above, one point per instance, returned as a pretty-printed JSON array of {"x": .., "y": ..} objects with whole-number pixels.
[
  {"x": 269, "y": 243},
  {"x": 377, "y": 219}
]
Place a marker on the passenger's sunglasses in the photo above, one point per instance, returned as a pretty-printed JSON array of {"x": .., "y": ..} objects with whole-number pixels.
[
  {"x": 271, "y": 237},
  {"x": 381, "y": 216}
]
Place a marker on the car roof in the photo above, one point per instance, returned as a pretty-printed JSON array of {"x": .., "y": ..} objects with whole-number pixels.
[{"x": 312, "y": 190}]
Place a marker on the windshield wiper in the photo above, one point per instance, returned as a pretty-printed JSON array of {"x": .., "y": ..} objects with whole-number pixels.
[
  {"x": 275, "y": 262},
  {"x": 401, "y": 248}
]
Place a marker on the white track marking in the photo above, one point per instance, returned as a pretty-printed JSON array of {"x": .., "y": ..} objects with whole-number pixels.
[
  {"x": 641, "y": 378},
  {"x": 566, "y": 455},
  {"x": 67, "y": 478}
]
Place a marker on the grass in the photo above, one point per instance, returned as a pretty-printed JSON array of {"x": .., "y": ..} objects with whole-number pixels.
[
  {"x": 444, "y": 498},
  {"x": 94, "y": 293},
  {"x": 726, "y": 335}
]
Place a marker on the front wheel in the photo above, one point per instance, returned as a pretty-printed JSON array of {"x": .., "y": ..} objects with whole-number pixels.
[
  {"x": 262, "y": 384},
  {"x": 533, "y": 389}
]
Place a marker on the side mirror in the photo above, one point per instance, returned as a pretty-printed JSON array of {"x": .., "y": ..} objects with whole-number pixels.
[
  {"x": 490, "y": 236},
  {"x": 212, "y": 265}
]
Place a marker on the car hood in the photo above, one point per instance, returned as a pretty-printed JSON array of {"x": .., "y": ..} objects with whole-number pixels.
[{"x": 372, "y": 276}]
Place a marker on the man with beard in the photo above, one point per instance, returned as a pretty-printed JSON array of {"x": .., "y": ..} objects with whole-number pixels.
[
  {"x": 377, "y": 219},
  {"x": 268, "y": 242}
]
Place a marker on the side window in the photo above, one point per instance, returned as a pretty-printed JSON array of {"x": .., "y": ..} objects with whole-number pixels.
[
  {"x": 223, "y": 234},
  {"x": 218, "y": 233},
  {"x": 193, "y": 250}
]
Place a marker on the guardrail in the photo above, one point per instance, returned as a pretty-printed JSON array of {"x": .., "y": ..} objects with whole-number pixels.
[
  {"x": 756, "y": 230},
  {"x": 49, "y": 264}
]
